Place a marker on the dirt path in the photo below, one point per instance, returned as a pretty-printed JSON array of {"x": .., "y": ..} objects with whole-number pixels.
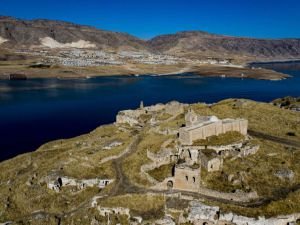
[
  {"x": 272, "y": 138},
  {"x": 124, "y": 186}
]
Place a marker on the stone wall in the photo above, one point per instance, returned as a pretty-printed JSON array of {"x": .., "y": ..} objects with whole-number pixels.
[
  {"x": 104, "y": 211},
  {"x": 248, "y": 150},
  {"x": 230, "y": 147},
  {"x": 191, "y": 133},
  {"x": 238, "y": 196},
  {"x": 129, "y": 116},
  {"x": 126, "y": 119},
  {"x": 157, "y": 161},
  {"x": 187, "y": 179},
  {"x": 200, "y": 213},
  {"x": 174, "y": 108},
  {"x": 56, "y": 183},
  {"x": 211, "y": 165}
]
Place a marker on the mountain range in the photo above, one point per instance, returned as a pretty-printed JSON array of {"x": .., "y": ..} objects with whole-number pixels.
[{"x": 16, "y": 33}]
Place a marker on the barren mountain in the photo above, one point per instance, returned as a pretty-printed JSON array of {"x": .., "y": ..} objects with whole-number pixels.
[
  {"x": 16, "y": 33},
  {"x": 197, "y": 43},
  {"x": 55, "y": 34}
]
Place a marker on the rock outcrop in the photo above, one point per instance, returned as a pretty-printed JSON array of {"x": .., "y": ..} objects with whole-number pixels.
[
  {"x": 16, "y": 33},
  {"x": 205, "y": 44}
]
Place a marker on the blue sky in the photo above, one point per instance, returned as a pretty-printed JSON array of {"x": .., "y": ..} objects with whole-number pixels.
[{"x": 147, "y": 18}]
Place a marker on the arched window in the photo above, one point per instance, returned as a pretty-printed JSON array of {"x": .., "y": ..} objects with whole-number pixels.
[
  {"x": 170, "y": 184},
  {"x": 187, "y": 178},
  {"x": 194, "y": 179}
]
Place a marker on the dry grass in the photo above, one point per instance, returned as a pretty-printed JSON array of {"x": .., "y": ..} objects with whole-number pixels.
[
  {"x": 222, "y": 139},
  {"x": 163, "y": 116},
  {"x": 175, "y": 123},
  {"x": 148, "y": 206},
  {"x": 161, "y": 172},
  {"x": 289, "y": 205},
  {"x": 262, "y": 117},
  {"x": 65, "y": 157},
  {"x": 133, "y": 163},
  {"x": 259, "y": 169},
  {"x": 23, "y": 66},
  {"x": 79, "y": 157}
]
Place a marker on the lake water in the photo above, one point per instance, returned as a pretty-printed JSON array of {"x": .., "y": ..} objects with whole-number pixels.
[{"x": 33, "y": 112}]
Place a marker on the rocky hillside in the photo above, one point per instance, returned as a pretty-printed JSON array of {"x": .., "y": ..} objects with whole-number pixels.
[
  {"x": 199, "y": 43},
  {"x": 47, "y": 33},
  {"x": 16, "y": 33},
  {"x": 114, "y": 173}
]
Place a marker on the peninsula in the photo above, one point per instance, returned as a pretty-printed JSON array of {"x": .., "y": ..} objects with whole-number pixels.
[{"x": 232, "y": 162}]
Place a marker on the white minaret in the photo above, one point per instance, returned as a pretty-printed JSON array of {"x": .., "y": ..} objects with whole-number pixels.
[{"x": 141, "y": 105}]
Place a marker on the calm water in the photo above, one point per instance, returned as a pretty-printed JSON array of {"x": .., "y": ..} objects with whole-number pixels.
[{"x": 35, "y": 111}]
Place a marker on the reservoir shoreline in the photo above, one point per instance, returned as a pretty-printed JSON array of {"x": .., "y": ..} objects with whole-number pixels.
[{"x": 40, "y": 110}]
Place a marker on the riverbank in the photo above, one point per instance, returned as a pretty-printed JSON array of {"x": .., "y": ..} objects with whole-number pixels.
[
  {"x": 25, "y": 70},
  {"x": 262, "y": 62}
]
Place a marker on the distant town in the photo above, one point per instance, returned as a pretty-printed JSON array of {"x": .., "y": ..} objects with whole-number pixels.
[{"x": 86, "y": 57}]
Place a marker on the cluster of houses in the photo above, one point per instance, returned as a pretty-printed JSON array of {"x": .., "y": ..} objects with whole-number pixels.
[{"x": 92, "y": 57}]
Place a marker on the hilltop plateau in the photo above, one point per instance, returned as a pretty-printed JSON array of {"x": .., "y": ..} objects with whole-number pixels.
[{"x": 136, "y": 170}]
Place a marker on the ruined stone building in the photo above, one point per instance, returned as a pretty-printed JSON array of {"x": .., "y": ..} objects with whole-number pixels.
[
  {"x": 174, "y": 108},
  {"x": 130, "y": 117},
  {"x": 206, "y": 158},
  {"x": 200, "y": 127},
  {"x": 56, "y": 183},
  {"x": 186, "y": 178},
  {"x": 210, "y": 160},
  {"x": 133, "y": 117}
]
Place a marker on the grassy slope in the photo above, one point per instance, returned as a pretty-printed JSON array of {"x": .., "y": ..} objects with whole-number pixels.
[{"x": 79, "y": 157}]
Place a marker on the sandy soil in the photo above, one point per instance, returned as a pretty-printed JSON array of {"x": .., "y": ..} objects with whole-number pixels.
[
  {"x": 51, "y": 43},
  {"x": 21, "y": 67}
]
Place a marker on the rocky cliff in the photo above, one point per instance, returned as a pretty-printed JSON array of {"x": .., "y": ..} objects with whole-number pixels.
[
  {"x": 16, "y": 33},
  {"x": 197, "y": 43}
]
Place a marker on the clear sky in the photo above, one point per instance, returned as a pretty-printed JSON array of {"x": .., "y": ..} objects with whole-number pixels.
[{"x": 147, "y": 18}]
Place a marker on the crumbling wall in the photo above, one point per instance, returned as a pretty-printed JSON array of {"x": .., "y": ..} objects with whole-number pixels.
[
  {"x": 187, "y": 179},
  {"x": 200, "y": 213}
]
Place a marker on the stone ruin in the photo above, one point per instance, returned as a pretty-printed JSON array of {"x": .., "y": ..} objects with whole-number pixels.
[
  {"x": 206, "y": 158},
  {"x": 133, "y": 117},
  {"x": 111, "y": 145},
  {"x": 199, "y": 213},
  {"x": 189, "y": 159},
  {"x": 55, "y": 183},
  {"x": 201, "y": 127},
  {"x": 186, "y": 178}
]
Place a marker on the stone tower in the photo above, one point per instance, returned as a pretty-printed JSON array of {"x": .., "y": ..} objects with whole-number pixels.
[
  {"x": 141, "y": 105},
  {"x": 191, "y": 118}
]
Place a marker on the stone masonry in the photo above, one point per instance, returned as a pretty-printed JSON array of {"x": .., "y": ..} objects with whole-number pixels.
[
  {"x": 201, "y": 127},
  {"x": 187, "y": 178}
]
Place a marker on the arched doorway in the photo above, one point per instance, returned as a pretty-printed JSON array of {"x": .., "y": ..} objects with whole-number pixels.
[
  {"x": 59, "y": 181},
  {"x": 170, "y": 185}
]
